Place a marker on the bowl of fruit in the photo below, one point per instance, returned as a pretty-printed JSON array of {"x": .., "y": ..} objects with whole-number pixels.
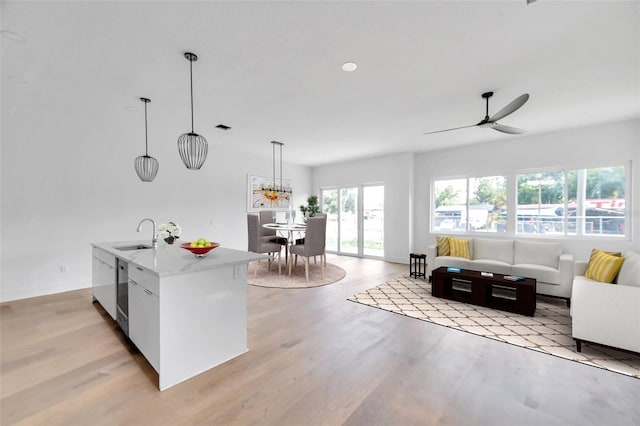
[{"x": 200, "y": 247}]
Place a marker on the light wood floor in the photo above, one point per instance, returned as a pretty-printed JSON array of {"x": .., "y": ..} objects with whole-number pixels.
[{"x": 314, "y": 359}]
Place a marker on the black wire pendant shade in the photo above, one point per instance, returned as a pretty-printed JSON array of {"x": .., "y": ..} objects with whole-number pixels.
[
  {"x": 145, "y": 165},
  {"x": 192, "y": 147}
]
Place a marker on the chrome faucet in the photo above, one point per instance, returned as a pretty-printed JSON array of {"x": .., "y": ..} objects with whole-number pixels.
[{"x": 154, "y": 240}]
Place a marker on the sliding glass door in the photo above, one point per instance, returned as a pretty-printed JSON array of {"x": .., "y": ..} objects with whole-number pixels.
[
  {"x": 349, "y": 241},
  {"x": 355, "y": 220},
  {"x": 373, "y": 220},
  {"x": 329, "y": 203}
]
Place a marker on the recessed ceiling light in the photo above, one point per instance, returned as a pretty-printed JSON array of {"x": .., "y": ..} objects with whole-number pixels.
[
  {"x": 12, "y": 36},
  {"x": 223, "y": 127},
  {"x": 349, "y": 66}
]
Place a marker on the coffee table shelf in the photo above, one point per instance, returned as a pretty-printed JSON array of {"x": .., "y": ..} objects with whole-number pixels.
[{"x": 493, "y": 292}]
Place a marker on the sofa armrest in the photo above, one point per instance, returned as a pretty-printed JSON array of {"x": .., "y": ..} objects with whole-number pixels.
[
  {"x": 565, "y": 266},
  {"x": 432, "y": 252},
  {"x": 580, "y": 267},
  {"x": 606, "y": 313}
]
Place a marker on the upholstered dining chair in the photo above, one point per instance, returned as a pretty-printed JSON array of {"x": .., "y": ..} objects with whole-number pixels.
[
  {"x": 258, "y": 244},
  {"x": 314, "y": 242},
  {"x": 301, "y": 241},
  {"x": 266, "y": 216}
]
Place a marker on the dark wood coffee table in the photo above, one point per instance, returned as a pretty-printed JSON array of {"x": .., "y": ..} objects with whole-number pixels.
[{"x": 493, "y": 292}]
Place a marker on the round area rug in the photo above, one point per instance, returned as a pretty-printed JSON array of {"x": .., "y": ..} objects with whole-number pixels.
[{"x": 266, "y": 278}]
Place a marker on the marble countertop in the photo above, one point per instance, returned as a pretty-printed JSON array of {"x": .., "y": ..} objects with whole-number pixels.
[{"x": 167, "y": 260}]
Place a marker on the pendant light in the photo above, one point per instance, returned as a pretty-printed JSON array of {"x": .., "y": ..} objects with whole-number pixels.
[
  {"x": 191, "y": 146},
  {"x": 145, "y": 165}
]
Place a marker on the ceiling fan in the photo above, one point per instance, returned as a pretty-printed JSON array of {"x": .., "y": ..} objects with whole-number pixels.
[{"x": 492, "y": 122}]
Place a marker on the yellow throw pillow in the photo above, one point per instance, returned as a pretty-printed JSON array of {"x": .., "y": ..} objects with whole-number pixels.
[
  {"x": 603, "y": 267},
  {"x": 443, "y": 246},
  {"x": 611, "y": 253},
  {"x": 459, "y": 247}
]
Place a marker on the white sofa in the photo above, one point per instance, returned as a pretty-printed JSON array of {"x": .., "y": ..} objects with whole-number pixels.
[
  {"x": 608, "y": 314},
  {"x": 545, "y": 262}
]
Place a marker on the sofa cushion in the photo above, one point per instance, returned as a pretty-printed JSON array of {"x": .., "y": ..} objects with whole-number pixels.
[
  {"x": 459, "y": 248},
  {"x": 501, "y": 250},
  {"x": 443, "y": 246},
  {"x": 488, "y": 265},
  {"x": 533, "y": 253},
  {"x": 630, "y": 271},
  {"x": 541, "y": 273},
  {"x": 603, "y": 267}
]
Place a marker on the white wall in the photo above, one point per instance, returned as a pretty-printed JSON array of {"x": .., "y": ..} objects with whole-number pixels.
[
  {"x": 603, "y": 145},
  {"x": 58, "y": 197},
  {"x": 396, "y": 173}
]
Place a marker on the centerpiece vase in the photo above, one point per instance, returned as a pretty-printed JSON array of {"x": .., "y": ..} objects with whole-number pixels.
[{"x": 169, "y": 240}]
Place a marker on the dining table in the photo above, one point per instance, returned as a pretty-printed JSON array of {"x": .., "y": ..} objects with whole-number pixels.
[{"x": 289, "y": 228}]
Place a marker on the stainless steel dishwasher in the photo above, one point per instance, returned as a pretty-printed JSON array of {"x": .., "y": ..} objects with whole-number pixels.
[{"x": 122, "y": 296}]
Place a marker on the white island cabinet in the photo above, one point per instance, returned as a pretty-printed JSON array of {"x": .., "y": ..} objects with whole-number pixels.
[
  {"x": 104, "y": 280},
  {"x": 186, "y": 314},
  {"x": 144, "y": 314}
]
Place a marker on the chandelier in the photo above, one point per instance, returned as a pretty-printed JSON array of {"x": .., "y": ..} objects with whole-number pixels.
[{"x": 277, "y": 193}]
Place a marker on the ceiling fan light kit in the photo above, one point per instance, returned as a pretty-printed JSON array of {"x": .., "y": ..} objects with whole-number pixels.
[
  {"x": 145, "y": 165},
  {"x": 492, "y": 122},
  {"x": 192, "y": 147}
]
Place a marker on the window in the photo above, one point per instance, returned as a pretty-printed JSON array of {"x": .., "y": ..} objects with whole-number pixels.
[
  {"x": 540, "y": 203},
  {"x": 584, "y": 202},
  {"x": 478, "y": 212},
  {"x": 450, "y": 205},
  {"x": 596, "y": 201},
  {"x": 487, "y": 201}
]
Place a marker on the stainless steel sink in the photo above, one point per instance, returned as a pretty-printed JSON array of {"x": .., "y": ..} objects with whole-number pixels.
[{"x": 136, "y": 247}]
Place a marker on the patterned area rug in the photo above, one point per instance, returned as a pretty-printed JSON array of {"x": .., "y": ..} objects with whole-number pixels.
[
  {"x": 266, "y": 277},
  {"x": 549, "y": 331}
]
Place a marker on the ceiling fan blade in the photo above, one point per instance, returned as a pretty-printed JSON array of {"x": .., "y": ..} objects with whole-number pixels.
[
  {"x": 447, "y": 130},
  {"x": 511, "y": 108},
  {"x": 507, "y": 129}
]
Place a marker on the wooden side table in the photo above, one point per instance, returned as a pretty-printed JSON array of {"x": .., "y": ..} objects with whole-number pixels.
[{"x": 417, "y": 265}]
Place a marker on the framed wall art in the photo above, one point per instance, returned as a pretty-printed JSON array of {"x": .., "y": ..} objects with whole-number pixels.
[{"x": 262, "y": 195}]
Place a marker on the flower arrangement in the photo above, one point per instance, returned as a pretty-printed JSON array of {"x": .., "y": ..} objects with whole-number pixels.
[{"x": 170, "y": 232}]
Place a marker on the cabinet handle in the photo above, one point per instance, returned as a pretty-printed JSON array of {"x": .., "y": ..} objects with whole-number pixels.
[
  {"x": 139, "y": 269},
  {"x": 148, "y": 292},
  {"x": 132, "y": 282}
]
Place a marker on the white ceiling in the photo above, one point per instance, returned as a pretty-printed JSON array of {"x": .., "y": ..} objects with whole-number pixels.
[{"x": 272, "y": 71}]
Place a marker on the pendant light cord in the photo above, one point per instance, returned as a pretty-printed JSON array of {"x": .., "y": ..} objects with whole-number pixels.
[
  {"x": 191, "y": 80},
  {"x": 146, "y": 144},
  {"x": 281, "y": 168},
  {"x": 273, "y": 160}
]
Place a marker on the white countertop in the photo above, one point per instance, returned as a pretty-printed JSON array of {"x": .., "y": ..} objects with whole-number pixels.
[{"x": 167, "y": 260}]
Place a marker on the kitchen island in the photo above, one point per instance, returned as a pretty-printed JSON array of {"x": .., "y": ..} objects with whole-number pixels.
[{"x": 186, "y": 314}]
